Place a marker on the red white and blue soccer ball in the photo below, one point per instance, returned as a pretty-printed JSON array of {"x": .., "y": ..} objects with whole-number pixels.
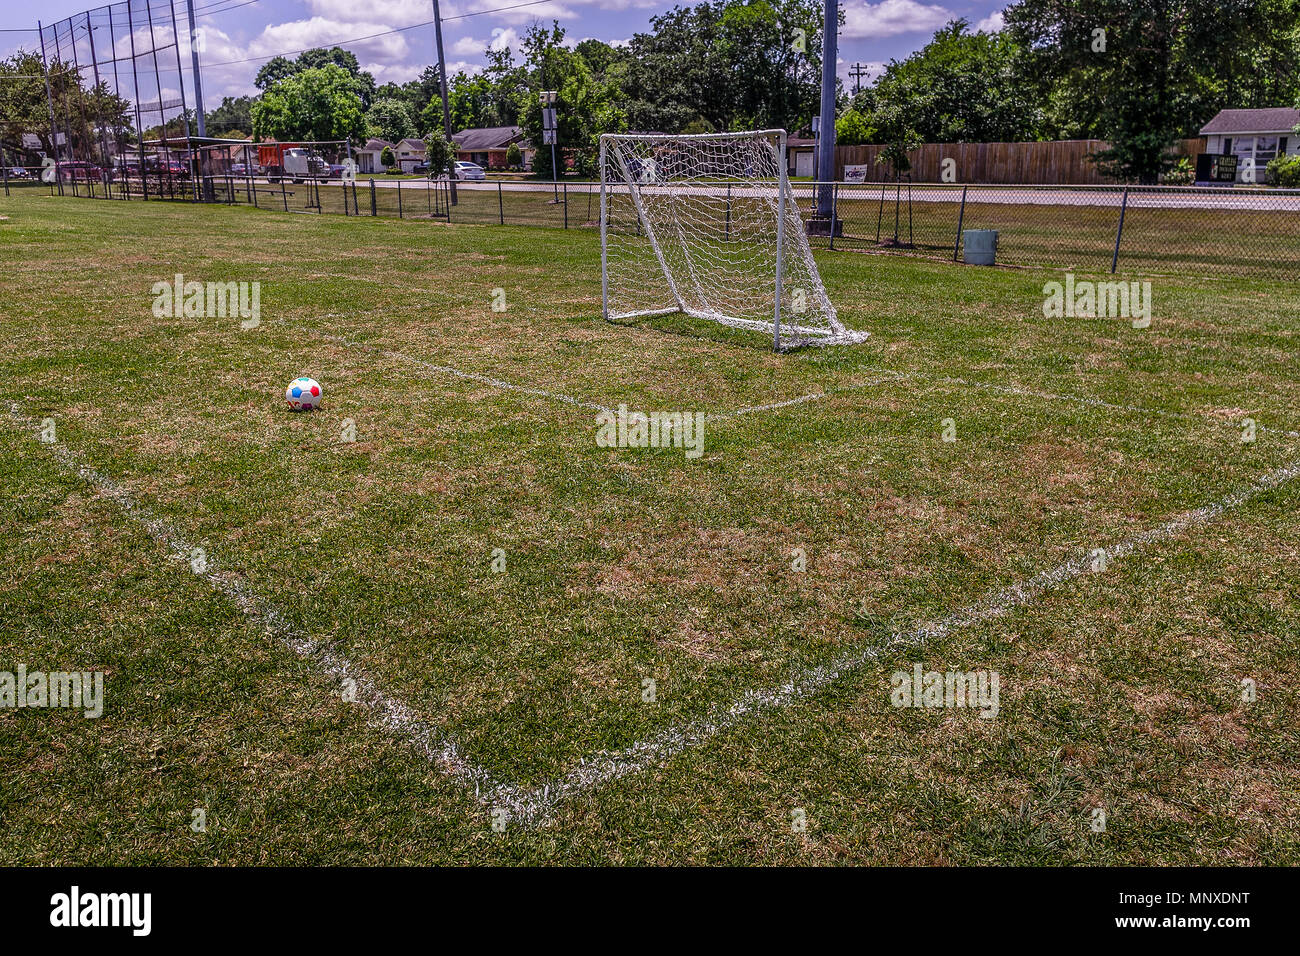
[{"x": 303, "y": 394}]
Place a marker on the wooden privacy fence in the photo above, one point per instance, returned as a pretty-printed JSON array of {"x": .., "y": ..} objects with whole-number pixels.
[{"x": 1063, "y": 162}]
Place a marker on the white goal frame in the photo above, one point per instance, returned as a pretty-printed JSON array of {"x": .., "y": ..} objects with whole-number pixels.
[{"x": 778, "y": 202}]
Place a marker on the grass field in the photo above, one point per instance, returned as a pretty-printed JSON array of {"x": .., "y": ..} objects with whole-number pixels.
[{"x": 519, "y": 698}]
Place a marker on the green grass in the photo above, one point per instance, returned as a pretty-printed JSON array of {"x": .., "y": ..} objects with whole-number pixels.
[{"x": 1119, "y": 690}]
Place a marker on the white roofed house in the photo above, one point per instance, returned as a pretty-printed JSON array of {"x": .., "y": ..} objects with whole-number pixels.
[{"x": 1255, "y": 137}]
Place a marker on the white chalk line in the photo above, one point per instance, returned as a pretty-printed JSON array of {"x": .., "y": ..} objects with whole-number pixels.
[
  {"x": 1006, "y": 390},
  {"x": 532, "y": 806},
  {"x": 889, "y": 376},
  {"x": 604, "y": 767},
  {"x": 393, "y": 714},
  {"x": 459, "y": 373},
  {"x": 810, "y": 397}
]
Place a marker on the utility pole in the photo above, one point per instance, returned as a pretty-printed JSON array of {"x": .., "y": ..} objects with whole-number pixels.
[
  {"x": 446, "y": 109},
  {"x": 858, "y": 71},
  {"x": 826, "y": 136},
  {"x": 198, "y": 80}
]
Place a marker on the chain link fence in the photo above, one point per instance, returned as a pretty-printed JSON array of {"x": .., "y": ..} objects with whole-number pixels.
[
  {"x": 1139, "y": 229},
  {"x": 1091, "y": 229}
]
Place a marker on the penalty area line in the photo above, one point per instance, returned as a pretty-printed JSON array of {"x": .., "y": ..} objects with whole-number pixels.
[
  {"x": 459, "y": 373},
  {"x": 390, "y": 713},
  {"x": 605, "y": 767}
]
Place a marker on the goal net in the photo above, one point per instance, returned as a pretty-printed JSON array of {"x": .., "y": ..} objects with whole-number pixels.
[{"x": 708, "y": 225}]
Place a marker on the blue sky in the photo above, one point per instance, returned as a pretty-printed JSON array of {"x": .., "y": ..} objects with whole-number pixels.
[{"x": 237, "y": 30}]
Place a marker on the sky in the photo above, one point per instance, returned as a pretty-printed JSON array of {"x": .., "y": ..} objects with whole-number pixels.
[{"x": 240, "y": 35}]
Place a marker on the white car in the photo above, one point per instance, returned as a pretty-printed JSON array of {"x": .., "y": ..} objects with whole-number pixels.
[{"x": 470, "y": 171}]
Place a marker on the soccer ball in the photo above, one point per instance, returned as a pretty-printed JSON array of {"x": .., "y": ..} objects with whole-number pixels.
[{"x": 303, "y": 394}]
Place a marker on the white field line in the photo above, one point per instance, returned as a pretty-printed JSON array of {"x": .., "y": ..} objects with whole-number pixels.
[
  {"x": 389, "y": 712},
  {"x": 1006, "y": 390},
  {"x": 458, "y": 373},
  {"x": 605, "y": 767},
  {"x": 810, "y": 397}
]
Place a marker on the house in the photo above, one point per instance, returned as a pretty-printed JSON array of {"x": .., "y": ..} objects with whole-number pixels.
[
  {"x": 1254, "y": 136},
  {"x": 409, "y": 153},
  {"x": 369, "y": 156},
  {"x": 801, "y": 156},
  {"x": 487, "y": 147}
]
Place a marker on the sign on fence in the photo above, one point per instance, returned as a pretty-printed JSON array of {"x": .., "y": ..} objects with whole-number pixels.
[{"x": 856, "y": 174}]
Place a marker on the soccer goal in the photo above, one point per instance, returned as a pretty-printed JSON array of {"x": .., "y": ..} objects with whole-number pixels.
[{"x": 708, "y": 225}]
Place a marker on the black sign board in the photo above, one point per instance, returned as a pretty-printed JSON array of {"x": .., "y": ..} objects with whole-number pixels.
[{"x": 1216, "y": 168}]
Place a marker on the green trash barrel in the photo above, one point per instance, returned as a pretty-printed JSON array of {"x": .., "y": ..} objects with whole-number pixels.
[{"x": 980, "y": 246}]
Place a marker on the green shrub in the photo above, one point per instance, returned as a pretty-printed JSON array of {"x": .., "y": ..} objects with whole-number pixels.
[{"x": 1284, "y": 171}]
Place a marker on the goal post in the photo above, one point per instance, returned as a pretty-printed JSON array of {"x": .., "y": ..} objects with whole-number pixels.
[{"x": 709, "y": 226}]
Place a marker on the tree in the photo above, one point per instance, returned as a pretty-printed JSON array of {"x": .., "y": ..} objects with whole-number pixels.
[
  {"x": 514, "y": 156},
  {"x": 731, "y": 64},
  {"x": 1140, "y": 73},
  {"x": 87, "y": 116},
  {"x": 585, "y": 106},
  {"x": 317, "y": 104},
  {"x": 965, "y": 87},
  {"x": 853, "y": 129},
  {"x": 235, "y": 114},
  {"x": 387, "y": 159},
  {"x": 281, "y": 68},
  {"x": 390, "y": 119},
  {"x": 439, "y": 152}
]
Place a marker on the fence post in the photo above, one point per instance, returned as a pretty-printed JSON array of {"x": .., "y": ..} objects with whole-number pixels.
[
  {"x": 399, "y": 199},
  {"x": 1123, "y": 207},
  {"x": 373, "y": 209},
  {"x": 6, "y": 169},
  {"x": 501, "y": 206},
  {"x": 284, "y": 196},
  {"x": 835, "y": 210},
  {"x": 249, "y": 191},
  {"x": 961, "y": 215},
  {"x": 566, "y": 205},
  {"x": 355, "y": 210}
]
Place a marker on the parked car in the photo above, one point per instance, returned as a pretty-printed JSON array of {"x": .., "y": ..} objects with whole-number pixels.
[
  {"x": 18, "y": 172},
  {"x": 79, "y": 169},
  {"x": 471, "y": 171},
  {"x": 420, "y": 168},
  {"x": 335, "y": 171},
  {"x": 239, "y": 169}
]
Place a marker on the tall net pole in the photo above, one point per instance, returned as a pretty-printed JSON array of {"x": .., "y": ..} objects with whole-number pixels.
[{"x": 826, "y": 137}]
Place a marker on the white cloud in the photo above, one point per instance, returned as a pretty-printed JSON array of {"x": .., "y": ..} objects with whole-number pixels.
[
  {"x": 398, "y": 12},
  {"x": 392, "y": 72},
  {"x": 504, "y": 38},
  {"x": 890, "y": 18},
  {"x": 467, "y": 46},
  {"x": 319, "y": 31},
  {"x": 993, "y": 23}
]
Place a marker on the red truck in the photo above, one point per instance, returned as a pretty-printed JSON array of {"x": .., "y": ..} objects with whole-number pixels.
[{"x": 290, "y": 161}]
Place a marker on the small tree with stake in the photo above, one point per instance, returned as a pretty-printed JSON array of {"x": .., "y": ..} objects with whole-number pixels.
[
  {"x": 439, "y": 152},
  {"x": 387, "y": 159},
  {"x": 900, "y": 138}
]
